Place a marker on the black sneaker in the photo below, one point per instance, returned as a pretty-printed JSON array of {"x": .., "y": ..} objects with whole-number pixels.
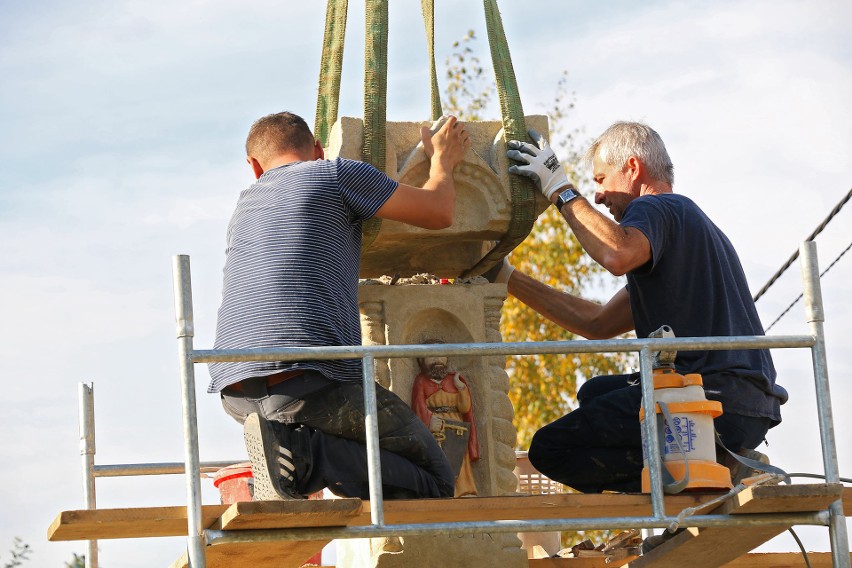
[{"x": 272, "y": 463}]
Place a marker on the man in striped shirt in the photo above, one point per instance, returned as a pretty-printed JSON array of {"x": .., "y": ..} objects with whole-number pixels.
[{"x": 291, "y": 280}]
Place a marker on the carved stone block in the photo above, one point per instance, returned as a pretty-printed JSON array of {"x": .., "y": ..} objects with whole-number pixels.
[{"x": 483, "y": 199}]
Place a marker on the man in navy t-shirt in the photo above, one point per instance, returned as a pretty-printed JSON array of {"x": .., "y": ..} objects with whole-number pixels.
[{"x": 682, "y": 271}]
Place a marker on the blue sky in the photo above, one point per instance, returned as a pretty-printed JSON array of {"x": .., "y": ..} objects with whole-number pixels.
[{"x": 122, "y": 129}]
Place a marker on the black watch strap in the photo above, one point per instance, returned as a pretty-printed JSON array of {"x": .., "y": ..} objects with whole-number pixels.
[{"x": 567, "y": 195}]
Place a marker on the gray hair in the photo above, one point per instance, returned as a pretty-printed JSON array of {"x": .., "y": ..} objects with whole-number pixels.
[{"x": 625, "y": 139}]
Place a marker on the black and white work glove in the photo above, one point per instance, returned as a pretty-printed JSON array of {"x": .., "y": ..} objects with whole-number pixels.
[{"x": 537, "y": 162}]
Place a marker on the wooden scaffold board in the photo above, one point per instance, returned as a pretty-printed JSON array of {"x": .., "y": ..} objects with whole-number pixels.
[
  {"x": 275, "y": 515},
  {"x": 753, "y": 560},
  {"x": 715, "y": 546},
  {"x": 710, "y": 547}
]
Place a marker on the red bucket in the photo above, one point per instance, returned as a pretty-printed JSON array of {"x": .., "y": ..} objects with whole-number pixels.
[{"x": 233, "y": 483}]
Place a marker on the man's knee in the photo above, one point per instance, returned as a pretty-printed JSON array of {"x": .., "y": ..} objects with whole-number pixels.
[
  {"x": 742, "y": 432},
  {"x": 546, "y": 453}
]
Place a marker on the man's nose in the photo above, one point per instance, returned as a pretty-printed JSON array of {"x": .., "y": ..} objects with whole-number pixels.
[{"x": 599, "y": 197}]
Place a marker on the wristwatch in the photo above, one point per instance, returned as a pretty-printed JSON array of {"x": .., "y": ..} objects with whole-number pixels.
[{"x": 567, "y": 195}]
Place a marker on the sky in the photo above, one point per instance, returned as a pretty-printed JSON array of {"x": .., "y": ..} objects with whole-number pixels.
[{"x": 123, "y": 125}]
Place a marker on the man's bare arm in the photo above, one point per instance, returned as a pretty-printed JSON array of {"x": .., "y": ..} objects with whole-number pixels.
[
  {"x": 582, "y": 317},
  {"x": 616, "y": 248}
]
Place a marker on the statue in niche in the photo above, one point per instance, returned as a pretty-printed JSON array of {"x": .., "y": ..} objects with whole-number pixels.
[{"x": 441, "y": 398}]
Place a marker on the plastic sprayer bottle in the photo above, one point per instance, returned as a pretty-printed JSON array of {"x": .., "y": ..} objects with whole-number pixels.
[{"x": 688, "y": 442}]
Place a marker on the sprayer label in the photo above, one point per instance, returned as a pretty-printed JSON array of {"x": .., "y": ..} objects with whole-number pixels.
[{"x": 684, "y": 429}]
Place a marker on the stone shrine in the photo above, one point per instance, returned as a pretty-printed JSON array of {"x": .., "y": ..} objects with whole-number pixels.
[{"x": 403, "y": 302}]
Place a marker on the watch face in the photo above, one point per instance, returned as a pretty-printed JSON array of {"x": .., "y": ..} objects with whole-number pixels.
[{"x": 565, "y": 197}]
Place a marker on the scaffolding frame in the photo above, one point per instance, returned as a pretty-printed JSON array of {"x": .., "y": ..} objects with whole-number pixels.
[{"x": 198, "y": 537}]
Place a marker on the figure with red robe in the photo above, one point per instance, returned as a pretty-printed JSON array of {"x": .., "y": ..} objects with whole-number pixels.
[{"x": 441, "y": 398}]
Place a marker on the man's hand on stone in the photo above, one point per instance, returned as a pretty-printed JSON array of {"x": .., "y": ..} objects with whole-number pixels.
[
  {"x": 537, "y": 162},
  {"x": 446, "y": 140},
  {"x": 436, "y": 424}
]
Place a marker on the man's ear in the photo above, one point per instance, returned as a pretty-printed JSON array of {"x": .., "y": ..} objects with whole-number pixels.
[
  {"x": 319, "y": 153},
  {"x": 255, "y": 167},
  {"x": 634, "y": 167}
]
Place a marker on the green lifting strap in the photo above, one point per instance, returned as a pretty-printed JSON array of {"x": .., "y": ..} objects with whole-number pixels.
[
  {"x": 375, "y": 100},
  {"x": 331, "y": 65},
  {"x": 429, "y": 21},
  {"x": 522, "y": 190},
  {"x": 373, "y": 151}
]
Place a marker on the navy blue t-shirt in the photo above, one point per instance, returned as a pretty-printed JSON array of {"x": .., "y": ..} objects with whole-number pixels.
[{"x": 695, "y": 283}]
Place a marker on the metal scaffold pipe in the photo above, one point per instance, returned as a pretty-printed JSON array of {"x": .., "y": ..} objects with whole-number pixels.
[
  {"x": 185, "y": 333},
  {"x": 815, "y": 316},
  {"x": 87, "y": 453}
]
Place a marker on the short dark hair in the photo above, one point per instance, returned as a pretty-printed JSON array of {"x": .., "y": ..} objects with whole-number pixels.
[{"x": 277, "y": 133}]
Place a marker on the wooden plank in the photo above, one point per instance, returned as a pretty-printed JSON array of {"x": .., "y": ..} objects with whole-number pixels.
[
  {"x": 171, "y": 521},
  {"x": 713, "y": 547},
  {"x": 782, "y": 560},
  {"x": 289, "y": 514},
  {"x": 275, "y": 515},
  {"x": 526, "y": 507},
  {"x": 145, "y": 522},
  {"x": 141, "y": 522},
  {"x": 284, "y": 554},
  {"x": 706, "y": 548},
  {"x": 782, "y": 499},
  {"x": 598, "y": 562},
  {"x": 753, "y": 560}
]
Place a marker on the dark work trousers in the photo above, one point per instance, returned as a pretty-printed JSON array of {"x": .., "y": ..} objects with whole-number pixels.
[
  {"x": 598, "y": 446},
  {"x": 413, "y": 465}
]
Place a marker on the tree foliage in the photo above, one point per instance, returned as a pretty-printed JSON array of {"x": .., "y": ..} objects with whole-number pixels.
[
  {"x": 469, "y": 88},
  {"x": 20, "y": 552},
  {"x": 79, "y": 561}
]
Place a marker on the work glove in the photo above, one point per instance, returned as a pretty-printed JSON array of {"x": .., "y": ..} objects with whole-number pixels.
[
  {"x": 538, "y": 163},
  {"x": 500, "y": 272}
]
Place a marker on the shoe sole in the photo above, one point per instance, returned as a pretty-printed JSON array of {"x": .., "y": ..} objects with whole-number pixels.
[{"x": 260, "y": 443}]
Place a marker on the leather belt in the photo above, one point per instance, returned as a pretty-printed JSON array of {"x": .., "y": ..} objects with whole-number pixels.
[{"x": 270, "y": 380}]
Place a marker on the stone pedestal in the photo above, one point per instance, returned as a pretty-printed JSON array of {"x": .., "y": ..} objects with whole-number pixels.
[
  {"x": 452, "y": 313},
  {"x": 483, "y": 201}
]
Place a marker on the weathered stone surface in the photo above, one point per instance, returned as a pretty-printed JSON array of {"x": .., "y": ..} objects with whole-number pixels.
[
  {"x": 502, "y": 406},
  {"x": 483, "y": 200},
  {"x": 454, "y": 313}
]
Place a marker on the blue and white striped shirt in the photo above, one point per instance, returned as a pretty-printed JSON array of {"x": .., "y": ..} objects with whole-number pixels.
[{"x": 291, "y": 272}]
